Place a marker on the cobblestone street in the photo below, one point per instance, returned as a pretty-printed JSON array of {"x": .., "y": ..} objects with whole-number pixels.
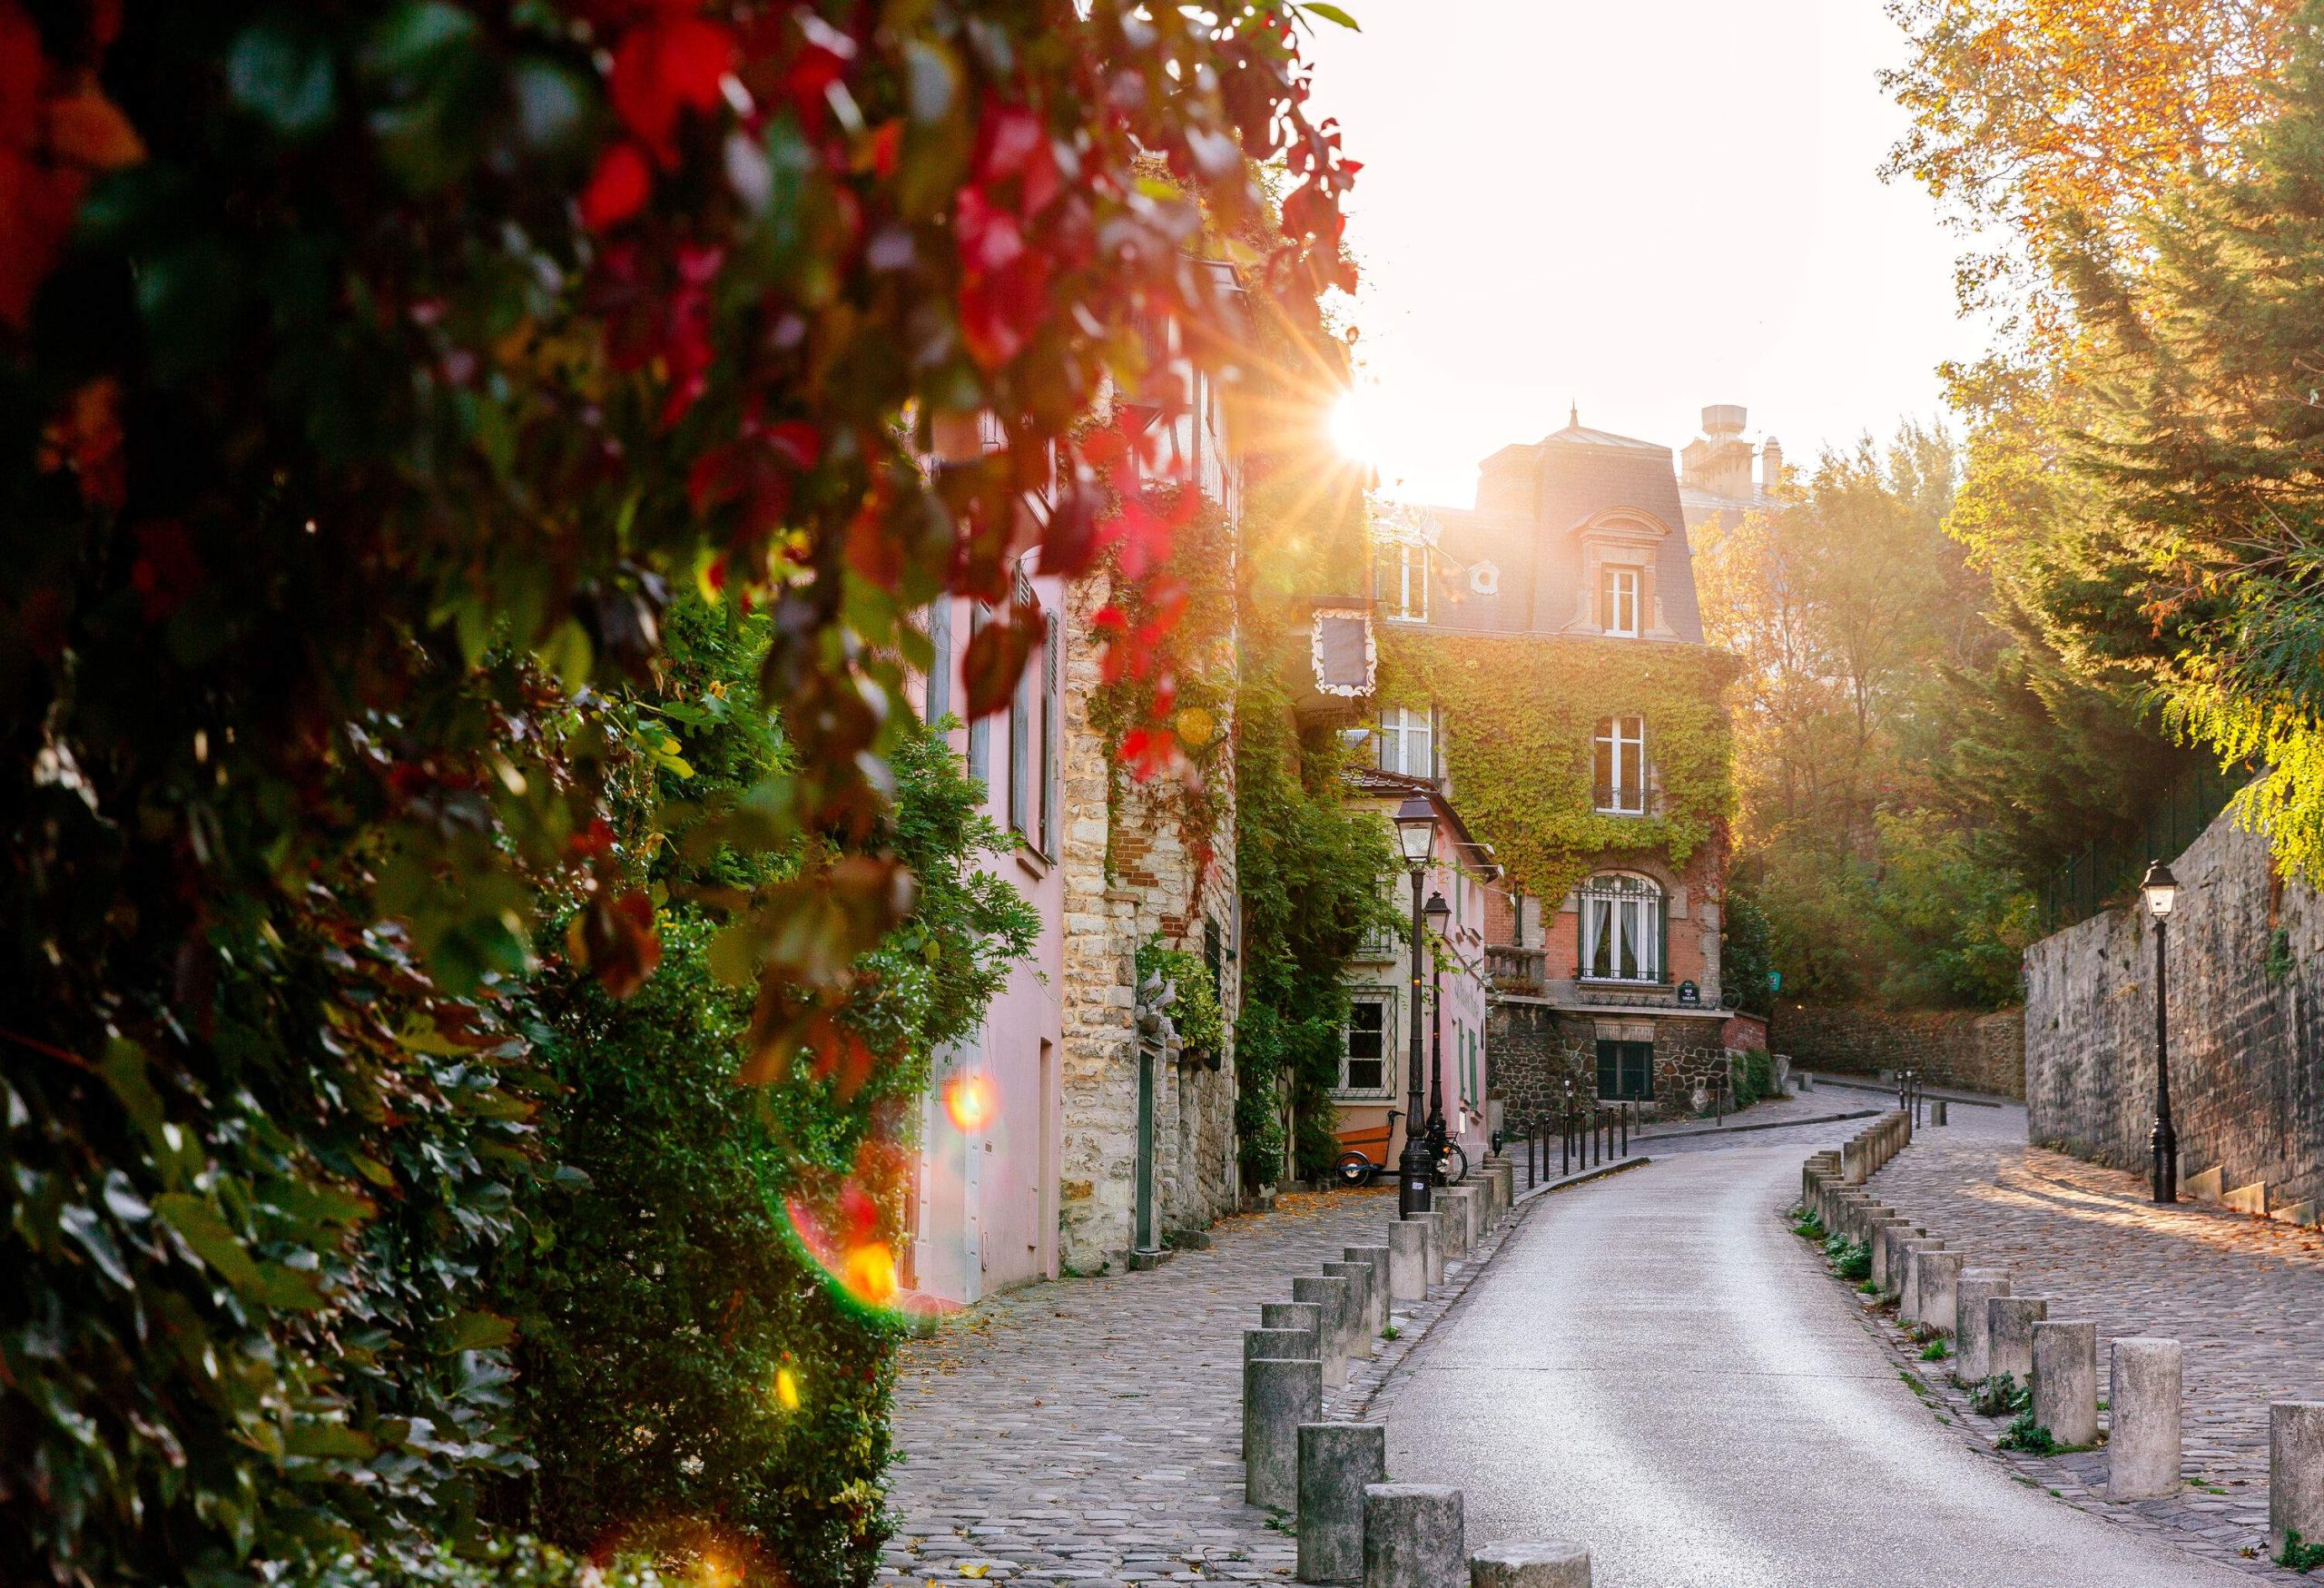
[
  {"x": 1086, "y": 1431},
  {"x": 2243, "y": 1295}
]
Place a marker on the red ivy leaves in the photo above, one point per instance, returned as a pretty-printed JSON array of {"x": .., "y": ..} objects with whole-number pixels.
[
  {"x": 996, "y": 655},
  {"x": 669, "y": 60},
  {"x": 57, "y": 131}
]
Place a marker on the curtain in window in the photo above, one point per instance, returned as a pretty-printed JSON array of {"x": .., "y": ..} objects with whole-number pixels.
[{"x": 1601, "y": 937}]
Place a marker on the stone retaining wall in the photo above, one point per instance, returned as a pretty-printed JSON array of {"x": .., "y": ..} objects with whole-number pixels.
[
  {"x": 2245, "y": 981},
  {"x": 1536, "y": 1050},
  {"x": 1982, "y": 1052}
]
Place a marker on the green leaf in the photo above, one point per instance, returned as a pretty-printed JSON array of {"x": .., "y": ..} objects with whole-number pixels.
[
  {"x": 735, "y": 954},
  {"x": 475, "y": 1331},
  {"x": 211, "y": 1238},
  {"x": 286, "y": 81},
  {"x": 329, "y": 1439},
  {"x": 1330, "y": 13},
  {"x": 90, "y": 1234}
]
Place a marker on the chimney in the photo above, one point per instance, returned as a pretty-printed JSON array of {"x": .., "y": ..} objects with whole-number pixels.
[{"x": 1770, "y": 465}]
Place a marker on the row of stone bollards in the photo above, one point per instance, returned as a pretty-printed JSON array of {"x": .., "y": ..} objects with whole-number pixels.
[
  {"x": 1353, "y": 1524},
  {"x": 2010, "y": 1353}
]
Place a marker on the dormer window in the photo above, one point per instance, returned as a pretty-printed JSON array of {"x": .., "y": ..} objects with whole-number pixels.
[
  {"x": 1404, "y": 582},
  {"x": 1618, "y": 600}
]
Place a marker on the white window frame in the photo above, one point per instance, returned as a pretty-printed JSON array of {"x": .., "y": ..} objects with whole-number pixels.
[
  {"x": 1625, "y": 589},
  {"x": 1620, "y": 909},
  {"x": 1400, "y": 727},
  {"x": 1619, "y": 745},
  {"x": 1386, "y": 1002},
  {"x": 1409, "y": 583}
]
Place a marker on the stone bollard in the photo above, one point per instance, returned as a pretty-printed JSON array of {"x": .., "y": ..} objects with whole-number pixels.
[
  {"x": 1332, "y": 1295},
  {"x": 1437, "y": 1224},
  {"x": 1360, "y": 1332},
  {"x": 2143, "y": 1428},
  {"x": 1973, "y": 1357},
  {"x": 1908, "y": 1284},
  {"x": 1337, "y": 1462},
  {"x": 1507, "y": 1183},
  {"x": 1552, "y": 1563},
  {"x": 1383, "y": 1293},
  {"x": 1413, "y": 1536},
  {"x": 1408, "y": 1259},
  {"x": 1856, "y": 1166},
  {"x": 1279, "y": 1395},
  {"x": 1303, "y": 1315},
  {"x": 1940, "y": 1291},
  {"x": 2066, "y": 1380},
  {"x": 1888, "y": 1236},
  {"x": 1468, "y": 1229},
  {"x": 1279, "y": 1344},
  {"x": 2295, "y": 1472},
  {"x": 2009, "y": 1333}
]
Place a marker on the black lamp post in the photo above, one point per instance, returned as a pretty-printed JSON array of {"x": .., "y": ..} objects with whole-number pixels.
[
  {"x": 2161, "y": 891},
  {"x": 1416, "y": 840},
  {"x": 1438, "y": 912}
]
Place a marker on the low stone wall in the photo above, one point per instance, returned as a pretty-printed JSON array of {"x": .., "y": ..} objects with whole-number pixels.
[
  {"x": 2246, "y": 985},
  {"x": 1981, "y": 1052}
]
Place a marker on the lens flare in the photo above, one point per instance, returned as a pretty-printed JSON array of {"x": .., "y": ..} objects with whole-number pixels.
[
  {"x": 1355, "y": 426},
  {"x": 969, "y": 1100},
  {"x": 786, "y": 1389},
  {"x": 869, "y": 1273}
]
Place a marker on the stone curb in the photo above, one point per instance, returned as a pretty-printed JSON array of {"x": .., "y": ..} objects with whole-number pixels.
[
  {"x": 1761, "y": 1125},
  {"x": 1580, "y": 1177}
]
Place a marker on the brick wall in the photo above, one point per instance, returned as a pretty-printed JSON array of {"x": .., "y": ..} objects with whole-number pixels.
[
  {"x": 1981, "y": 1052},
  {"x": 2247, "y": 1036}
]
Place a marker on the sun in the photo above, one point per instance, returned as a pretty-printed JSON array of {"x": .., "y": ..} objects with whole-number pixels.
[{"x": 1354, "y": 425}]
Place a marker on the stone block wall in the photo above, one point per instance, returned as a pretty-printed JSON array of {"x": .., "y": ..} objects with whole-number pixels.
[
  {"x": 1536, "y": 1048},
  {"x": 1130, "y": 875},
  {"x": 1980, "y": 1053},
  {"x": 2245, "y": 976}
]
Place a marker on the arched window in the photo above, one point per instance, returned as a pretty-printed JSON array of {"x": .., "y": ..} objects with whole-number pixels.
[{"x": 1621, "y": 928}]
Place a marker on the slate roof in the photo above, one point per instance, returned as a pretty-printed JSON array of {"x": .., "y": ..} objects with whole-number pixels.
[{"x": 1541, "y": 494}]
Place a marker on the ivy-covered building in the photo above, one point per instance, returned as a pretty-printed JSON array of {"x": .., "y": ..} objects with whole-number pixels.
[{"x": 1544, "y": 659}]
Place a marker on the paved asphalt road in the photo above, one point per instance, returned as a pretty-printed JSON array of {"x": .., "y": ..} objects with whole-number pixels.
[{"x": 1655, "y": 1366}]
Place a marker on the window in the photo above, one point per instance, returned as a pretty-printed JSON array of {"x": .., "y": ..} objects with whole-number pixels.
[
  {"x": 1625, "y": 1070},
  {"x": 1618, "y": 596},
  {"x": 1621, "y": 766},
  {"x": 981, "y": 730},
  {"x": 1407, "y": 741},
  {"x": 1049, "y": 646},
  {"x": 1020, "y": 729},
  {"x": 1402, "y": 576},
  {"x": 1621, "y": 928},
  {"x": 1363, "y": 1064},
  {"x": 941, "y": 666}
]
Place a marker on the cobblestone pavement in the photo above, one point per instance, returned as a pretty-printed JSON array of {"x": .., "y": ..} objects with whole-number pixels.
[
  {"x": 1087, "y": 1431},
  {"x": 2241, "y": 1295}
]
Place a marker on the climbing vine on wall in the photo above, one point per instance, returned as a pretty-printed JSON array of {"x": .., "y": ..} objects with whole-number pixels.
[
  {"x": 1520, "y": 716},
  {"x": 1165, "y": 664}
]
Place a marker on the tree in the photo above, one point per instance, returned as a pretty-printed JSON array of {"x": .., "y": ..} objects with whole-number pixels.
[
  {"x": 371, "y": 376},
  {"x": 2030, "y": 113}
]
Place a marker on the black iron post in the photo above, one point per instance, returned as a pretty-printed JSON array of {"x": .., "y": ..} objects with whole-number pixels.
[
  {"x": 1437, "y": 1132},
  {"x": 2165, "y": 1139},
  {"x": 1412, "y": 1174},
  {"x": 1626, "y": 1130},
  {"x": 1565, "y": 1134}
]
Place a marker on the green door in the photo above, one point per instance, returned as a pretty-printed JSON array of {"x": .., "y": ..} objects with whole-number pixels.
[{"x": 1626, "y": 1070}]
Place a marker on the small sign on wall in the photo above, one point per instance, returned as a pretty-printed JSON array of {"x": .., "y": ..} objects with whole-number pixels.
[{"x": 1690, "y": 995}]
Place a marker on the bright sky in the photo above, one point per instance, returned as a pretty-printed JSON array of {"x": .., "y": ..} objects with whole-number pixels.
[{"x": 1643, "y": 207}]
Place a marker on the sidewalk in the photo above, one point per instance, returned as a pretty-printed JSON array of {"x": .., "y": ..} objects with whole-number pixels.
[
  {"x": 2241, "y": 1295},
  {"x": 1085, "y": 1432}
]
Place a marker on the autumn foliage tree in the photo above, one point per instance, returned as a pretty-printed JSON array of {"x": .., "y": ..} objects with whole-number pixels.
[{"x": 370, "y": 377}]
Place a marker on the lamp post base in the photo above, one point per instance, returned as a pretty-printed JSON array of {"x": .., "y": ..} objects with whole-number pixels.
[
  {"x": 2165, "y": 1147},
  {"x": 1412, "y": 1194}
]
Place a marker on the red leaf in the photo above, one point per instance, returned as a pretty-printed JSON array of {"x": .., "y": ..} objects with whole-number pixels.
[
  {"x": 996, "y": 657},
  {"x": 618, "y": 190},
  {"x": 662, "y": 67}
]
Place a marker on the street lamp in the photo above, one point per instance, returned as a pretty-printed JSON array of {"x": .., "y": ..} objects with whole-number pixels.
[
  {"x": 2161, "y": 891},
  {"x": 1416, "y": 840},
  {"x": 1438, "y": 912}
]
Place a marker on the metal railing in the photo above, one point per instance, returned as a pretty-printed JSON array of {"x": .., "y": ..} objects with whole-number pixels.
[
  {"x": 2105, "y": 872},
  {"x": 1586, "y": 1138}
]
